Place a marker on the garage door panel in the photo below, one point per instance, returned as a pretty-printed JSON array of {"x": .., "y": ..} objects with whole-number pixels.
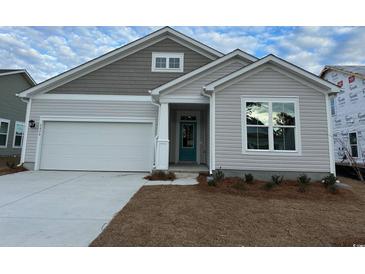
[{"x": 97, "y": 146}]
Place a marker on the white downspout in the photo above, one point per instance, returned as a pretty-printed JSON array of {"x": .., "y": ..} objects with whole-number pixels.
[
  {"x": 26, "y": 127},
  {"x": 210, "y": 130},
  {"x": 158, "y": 125}
]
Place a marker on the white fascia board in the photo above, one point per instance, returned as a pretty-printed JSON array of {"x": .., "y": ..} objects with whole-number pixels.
[
  {"x": 230, "y": 55},
  {"x": 92, "y": 97},
  {"x": 110, "y": 57},
  {"x": 275, "y": 60}
]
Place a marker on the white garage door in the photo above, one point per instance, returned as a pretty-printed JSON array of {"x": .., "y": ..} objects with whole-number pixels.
[{"x": 97, "y": 146}]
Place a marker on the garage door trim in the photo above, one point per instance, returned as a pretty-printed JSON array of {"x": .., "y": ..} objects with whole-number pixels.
[{"x": 44, "y": 119}]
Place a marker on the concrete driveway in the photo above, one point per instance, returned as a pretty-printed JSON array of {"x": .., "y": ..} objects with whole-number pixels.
[{"x": 61, "y": 208}]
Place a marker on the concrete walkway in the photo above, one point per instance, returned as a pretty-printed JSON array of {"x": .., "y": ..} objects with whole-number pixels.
[
  {"x": 60, "y": 208},
  {"x": 181, "y": 179}
]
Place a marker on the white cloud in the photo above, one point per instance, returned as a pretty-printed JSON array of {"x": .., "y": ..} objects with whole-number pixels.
[{"x": 47, "y": 51}]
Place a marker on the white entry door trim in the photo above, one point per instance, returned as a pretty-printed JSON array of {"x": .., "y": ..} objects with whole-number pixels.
[{"x": 198, "y": 129}]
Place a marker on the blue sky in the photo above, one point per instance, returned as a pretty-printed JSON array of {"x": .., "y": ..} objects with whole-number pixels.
[{"x": 48, "y": 51}]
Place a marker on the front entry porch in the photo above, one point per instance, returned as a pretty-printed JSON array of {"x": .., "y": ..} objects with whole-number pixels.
[{"x": 183, "y": 137}]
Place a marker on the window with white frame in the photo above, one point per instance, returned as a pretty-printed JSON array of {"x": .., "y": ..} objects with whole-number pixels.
[
  {"x": 4, "y": 132},
  {"x": 167, "y": 62},
  {"x": 353, "y": 144},
  {"x": 18, "y": 134},
  {"x": 270, "y": 125}
]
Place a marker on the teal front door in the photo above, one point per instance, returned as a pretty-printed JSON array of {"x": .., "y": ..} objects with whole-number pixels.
[{"x": 187, "y": 147}]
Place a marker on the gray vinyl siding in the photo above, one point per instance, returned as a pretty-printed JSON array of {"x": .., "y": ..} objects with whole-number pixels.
[
  {"x": 313, "y": 120},
  {"x": 85, "y": 109},
  {"x": 11, "y": 107},
  {"x": 194, "y": 86},
  {"x": 132, "y": 75}
]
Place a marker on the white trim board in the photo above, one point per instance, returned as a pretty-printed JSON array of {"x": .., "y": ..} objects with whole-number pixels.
[
  {"x": 25, "y": 137},
  {"x": 330, "y": 136},
  {"x": 180, "y": 113},
  {"x": 185, "y": 99},
  {"x": 7, "y": 133},
  {"x": 93, "y": 97}
]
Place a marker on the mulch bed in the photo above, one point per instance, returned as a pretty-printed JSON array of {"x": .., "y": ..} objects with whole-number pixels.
[
  {"x": 161, "y": 176},
  {"x": 202, "y": 215},
  {"x": 5, "y": 171},
  {"x": 287, "y": 190}
]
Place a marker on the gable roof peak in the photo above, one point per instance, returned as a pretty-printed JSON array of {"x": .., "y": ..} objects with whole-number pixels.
[
  {"x": 121, "y": 53},
  {"x": 270, "y": 58}
]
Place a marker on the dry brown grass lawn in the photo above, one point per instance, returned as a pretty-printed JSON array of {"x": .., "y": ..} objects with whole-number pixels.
[{"x": 208, "y": 216}]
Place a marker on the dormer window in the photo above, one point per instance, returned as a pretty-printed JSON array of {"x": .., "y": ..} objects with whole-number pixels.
[{"x": 167, "y": 62}]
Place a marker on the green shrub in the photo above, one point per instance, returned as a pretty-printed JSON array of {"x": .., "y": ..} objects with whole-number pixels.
[
  {"x": 211, "y": 181},
  {"x": 276, "y": 179},
  {"x": 329, "y": 180},
  {"x": 11, "y": 164},
  {"x": 218, "y": 175},
  {"x": 248, "y": 178},
  {"x": 303, "y": 181},
  {"x": 269, "y": 185}
]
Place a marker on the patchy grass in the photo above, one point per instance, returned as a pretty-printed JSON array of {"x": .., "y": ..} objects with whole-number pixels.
[
  {"x": 202, "y": 215},
  {"x": 161, "y": 176},
  {"x": 7, "y": 170}
]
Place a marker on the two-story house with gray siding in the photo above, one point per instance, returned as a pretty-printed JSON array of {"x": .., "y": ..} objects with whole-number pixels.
[
  {"x": 12, "y": 110},
  {"x": 168, "y": 100}
]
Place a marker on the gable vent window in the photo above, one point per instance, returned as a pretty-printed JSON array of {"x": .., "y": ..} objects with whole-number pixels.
[{"x": 167, "y": 62}]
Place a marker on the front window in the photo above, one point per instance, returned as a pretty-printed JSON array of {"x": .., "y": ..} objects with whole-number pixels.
[
  {"x": 18, "y": 134},
  {"x": 257, "y": 119},
  {"x": 4, "y": 131},
  {"x": 353, "y": 144},
  {"x": 160, "y": 62},
  {"x": 269, "y": 125},
  {"x": 283, "y": 126},
  {"x": 167, "y": 62}
]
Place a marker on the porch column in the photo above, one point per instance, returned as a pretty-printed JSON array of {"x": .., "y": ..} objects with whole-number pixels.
[{"x": 162, "y": 150}]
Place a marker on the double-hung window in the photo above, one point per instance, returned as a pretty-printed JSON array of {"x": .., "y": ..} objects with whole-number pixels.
[
  {"x": 167, "y": 62},
  {"x": 18, "y": 134},
  {"x": 353, "y": 144},
  {"x": 270, "y": 125},
  {"x": 4, "y": 132}
]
